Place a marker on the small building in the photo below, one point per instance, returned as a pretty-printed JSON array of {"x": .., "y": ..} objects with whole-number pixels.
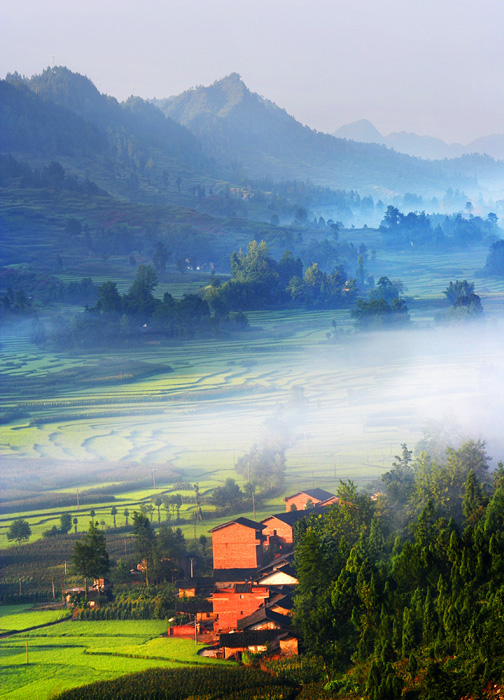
[
  {"x": 253, "y": 640},
  {"x": 237, "y": 549},
  {"x": 279, "y": 528},
  {"x": 236, "y": 601},
  {"x": 299, "y": 500},
  {"x": 265, "y": 619},
  {"x": 283, "y": 576}
]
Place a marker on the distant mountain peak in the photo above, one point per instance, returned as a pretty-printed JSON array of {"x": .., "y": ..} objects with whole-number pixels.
[{"x": 362, "y": 130}]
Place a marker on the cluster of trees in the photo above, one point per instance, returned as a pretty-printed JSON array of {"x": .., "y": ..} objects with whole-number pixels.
[
  {"x": 160, "y": 552},
  {"x": 495, "y": 260},
  {"x": 64, "y": 527},
  {"x": 52, "y": 176},
  {"x": 258, "y": 281},
  {"x": 383, "y": 308},
  {"x": 133, "y": 316},
  {"x": 418, "y": 229},
  {"x": 465, "y": 305},
  {"x": 404, "y": 593},
  {"x": 26, "y": 290}
]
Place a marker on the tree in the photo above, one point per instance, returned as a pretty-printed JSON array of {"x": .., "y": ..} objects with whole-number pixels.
[
  {"x": 458, "y": 289},
  {"x": 160, "y": 256},
  {"x": 158, "y": 503},
  {"x": 75, "y": 523},
  {"x": 145, "y": 540},
  {"x": 19, "y": 530},
  {"x": 65, "y": 523},
  {"x": 109, "y": 299},
  {"x": 113, "y": 513},
  {"x": 89, "y": 557},
  {"x": 139, "y": 298},
  {"x": 126, "y": 516}
]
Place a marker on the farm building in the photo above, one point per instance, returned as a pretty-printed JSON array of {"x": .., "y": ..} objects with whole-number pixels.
[
  {"x": 299, "y": 500},
  {"x": 279, "y": 529},
  {"x": 237, "y": 549},
  {"x": 234, "y": 602}
]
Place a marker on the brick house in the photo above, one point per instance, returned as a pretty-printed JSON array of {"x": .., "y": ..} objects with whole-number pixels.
[
  {"x": 279, "y": 528},
  {"x": 234, "y": 602},
  {"x": 237, "y": 549},
  {"x": 300, "y": 499}
]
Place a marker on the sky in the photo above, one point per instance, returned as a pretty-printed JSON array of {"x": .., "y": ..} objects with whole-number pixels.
[{"x": 434, "y": 67}]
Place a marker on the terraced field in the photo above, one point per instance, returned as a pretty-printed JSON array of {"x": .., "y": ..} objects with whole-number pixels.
[
  {"x": 74, "y": 653},
  {"x": 204, "y": 403}
]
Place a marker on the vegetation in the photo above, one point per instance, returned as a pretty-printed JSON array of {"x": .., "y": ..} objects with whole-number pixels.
[{"x": 391, "y": 591}]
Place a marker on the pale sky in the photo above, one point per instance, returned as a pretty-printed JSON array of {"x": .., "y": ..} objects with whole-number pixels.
[{"x": 434, "y": 67}]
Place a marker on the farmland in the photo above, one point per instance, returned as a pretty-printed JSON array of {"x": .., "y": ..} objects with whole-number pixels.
[
  {"x": 190, "y": 409},
  {"x": 72, "y": 653}
]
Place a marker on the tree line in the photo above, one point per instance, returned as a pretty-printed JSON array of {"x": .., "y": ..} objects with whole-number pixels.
[{"x": 402, "y": 594}]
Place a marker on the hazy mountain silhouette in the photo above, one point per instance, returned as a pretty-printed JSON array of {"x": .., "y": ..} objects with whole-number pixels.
[
  {"x": 236, "y": 125},
  {"x": 59, "y": 101},
  {"x": 427, "y": 147}
]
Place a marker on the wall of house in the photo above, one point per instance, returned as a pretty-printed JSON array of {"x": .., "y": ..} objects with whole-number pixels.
[
  {"x": 230, "y": 606},
  {"x": 237, "y": 547},
  {"x": 299, "y": 501},
  {"x": 283, "y": 530}
]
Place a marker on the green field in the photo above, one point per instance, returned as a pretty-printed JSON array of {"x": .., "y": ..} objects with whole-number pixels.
[
  {"x": 205, "y": 402},
  {"x": 74, "y": 653}
]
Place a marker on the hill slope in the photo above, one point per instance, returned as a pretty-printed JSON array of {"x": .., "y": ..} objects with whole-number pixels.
[{"x": 235, "y": 124}]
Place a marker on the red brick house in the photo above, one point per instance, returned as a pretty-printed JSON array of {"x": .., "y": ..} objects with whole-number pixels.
[
  {"x": 299, "y": 500},
  {"x": 237, "y": 549},
  {"x": 232, "y": 603},
  {"x": 279, "y": 528}
]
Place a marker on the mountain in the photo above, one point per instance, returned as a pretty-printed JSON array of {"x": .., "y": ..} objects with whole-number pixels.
[
  {"x": 239, "y": 127},
  {"x": 427, "y": 147},
  {"x": 362, "y": 130},
  {"x": 130, "y": 148}
]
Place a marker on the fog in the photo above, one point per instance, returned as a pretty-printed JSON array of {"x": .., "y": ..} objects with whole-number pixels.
[{"x": 365, "y": 395}]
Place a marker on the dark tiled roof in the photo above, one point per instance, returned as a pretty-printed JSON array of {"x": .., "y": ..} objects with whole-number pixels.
[
  {"x": 264, "y": 615},
  {"x": 241, "y": 521},
  {"x": 320, "y": 494},
  {"x": 248, "y": 638},
  {"x": 192, "y": 606},
  {"x": 233, "y": 575}
]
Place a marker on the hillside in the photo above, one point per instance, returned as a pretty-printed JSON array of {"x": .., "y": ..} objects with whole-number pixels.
[
  {"x": 237, "y": 125},
  {"x": 130, "y": 149}
]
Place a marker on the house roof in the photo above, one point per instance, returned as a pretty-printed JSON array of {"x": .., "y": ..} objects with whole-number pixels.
[
  {"x": 276, "y": 564},
  {"x": 319, "y": 494},
  {"x": 233, "y": 575},
  {"x": 245, "y": 522},
  {"x": 286, "y": 570},
  {"x": 247, "y": 638},
  {"x": 264, "y": 615},
  {"x": 289, "y": 518}
]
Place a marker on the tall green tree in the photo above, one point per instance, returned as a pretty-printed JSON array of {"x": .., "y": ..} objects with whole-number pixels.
[{"x": 89, "y": 556}]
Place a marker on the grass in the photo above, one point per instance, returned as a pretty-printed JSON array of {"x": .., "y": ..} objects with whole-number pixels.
[
  {"x": 72, "y": 653},
  {"x": 20, "y": 617}
]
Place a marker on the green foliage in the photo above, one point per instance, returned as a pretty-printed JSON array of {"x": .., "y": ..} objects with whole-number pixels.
[
  {"x": 89, "y": 556},
  {"x": 419, "y": 618},
  {"x": 19, "y": 531}
]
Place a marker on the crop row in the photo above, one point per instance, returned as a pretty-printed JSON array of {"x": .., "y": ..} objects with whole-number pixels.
[{"x": 182, "y": 684}]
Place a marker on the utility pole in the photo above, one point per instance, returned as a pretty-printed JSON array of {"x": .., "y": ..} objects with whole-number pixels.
[
  {"x": 53, "y": 591},
  {"x": 192, "y": 566},
  {"x": 154, "y": 478},
  {"x": 65, "y": 569}
]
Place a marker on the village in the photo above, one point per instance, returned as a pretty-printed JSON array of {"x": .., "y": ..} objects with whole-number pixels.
[
  {"x": 247, "y": 605},
  {"x": 250, "y": 605}
]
